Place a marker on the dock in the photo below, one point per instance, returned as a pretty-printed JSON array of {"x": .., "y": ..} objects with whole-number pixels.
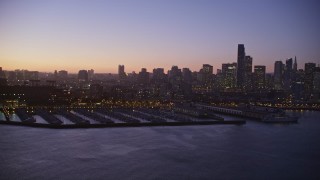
[
  {"x": 103, "y": 118},
  {"x": 75, "y": 126},
  {"x": 262, "y": 114}
]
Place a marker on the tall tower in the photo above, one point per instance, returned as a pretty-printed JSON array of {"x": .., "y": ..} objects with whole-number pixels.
[
  {"x": 207, "y": 71},
  {"x": 309, "y": 69},
  {"x": 278, "y": 75},
  {"x": 121, "y": 73},
  {"x": 289, "y": 65},
  {"x": 248, "y": 73},
  {"x": 295, "y": 65},
  {"x": 288, "y": 74},
  {"x": 259, "y": 77},
  {"x": 241, "y": 66}
]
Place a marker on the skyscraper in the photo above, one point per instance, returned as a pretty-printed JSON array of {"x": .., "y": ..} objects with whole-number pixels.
[
  {"x": 207, "y": 68},
  {"x": 309, "y": 69},
  {"x": 121, "y": 73},
  {"x": 83, "y": 76},
  {"x": 248, "y": 73},
  {"x": 158, "y": 75},
  {"x": 207, "y": 71},
  {"x": 143, "y": 77},
  {"x": 316, "y": 85},
  {"x": 229, "y": 75},
  {"x": 288, "y": 74},
  {"x": 174, "y": 74},
  {"x": 278, "y": 75},
  {"x": 295, "y": 65},
  {"x": 186, "y": 75},
  {"x": 241, "y": 66},
  {"x": 259, "y": 77},
  {"x": 90, "y": 74},
  {"x": 248, "y": 65},
  {"x": 289, "y": 64}
]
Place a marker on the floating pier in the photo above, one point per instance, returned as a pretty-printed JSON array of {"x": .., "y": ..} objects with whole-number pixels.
[
  {"x": 125, "y": 118},
  {"x": 263, "y": 114}
]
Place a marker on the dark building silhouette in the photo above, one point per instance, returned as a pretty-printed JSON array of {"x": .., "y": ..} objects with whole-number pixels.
[
  {"x": 288, "y": 74},
  {"x": 2, "y": 75},
  {"x": 295, "y": 65},
  {"x": 83, "y": 76},
  {"x": 159, "y": 76},
  {"x": 289, "y": 65},
  {"x": 207, "y": 71},
  {"x": 63, "y": 74},
  {"x": 278, "y": 75},
  {"x": 143, "y": 77},
  {"x": 55, "y": 75},
  {"x": 207, "y": 68},
  {"x": 316, "y": 84},
  {"x": 90, "y": 74},
  {"x": 259, "y": 77},
  {"x": 269, "y": 84},
  {"x": 175, "y": 81},
  {"x": 3, "y": 79},
  {"x": 241, "y": 69},
  {"x": 187, "y": 75},
  {"x": 175, "y": 73},
  {"x": 309, "y": 69},
  {"x": 121, "y": 73},
  {"x": 248, "y": 73}
]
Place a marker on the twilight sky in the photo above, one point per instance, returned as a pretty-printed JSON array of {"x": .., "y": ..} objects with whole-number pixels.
[{"x": 53, "y": 35}]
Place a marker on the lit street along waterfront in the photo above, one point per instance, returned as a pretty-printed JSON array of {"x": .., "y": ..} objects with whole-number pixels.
[{"x": 252, "y": 151}]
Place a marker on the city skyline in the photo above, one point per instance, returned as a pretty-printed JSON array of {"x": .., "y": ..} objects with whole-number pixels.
[
  {"x": 75, "y": 35},
  {"x": 244, "y": 67},
  {"x": 215, "y": 71}
]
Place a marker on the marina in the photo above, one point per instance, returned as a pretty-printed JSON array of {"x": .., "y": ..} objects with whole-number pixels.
[
  {"x": 186, "y": 114},
  {"x": 102, "y": 117}
]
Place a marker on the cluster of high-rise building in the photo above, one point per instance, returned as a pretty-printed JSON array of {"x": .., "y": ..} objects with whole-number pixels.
[
  {"x": 233, "y": 81},
  {"x": 302, "y": 83},
  {"x": 240, "y": 76}
]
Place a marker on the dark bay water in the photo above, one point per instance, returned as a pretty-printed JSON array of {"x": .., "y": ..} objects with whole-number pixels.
[{"x": 251, "y": 151}]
